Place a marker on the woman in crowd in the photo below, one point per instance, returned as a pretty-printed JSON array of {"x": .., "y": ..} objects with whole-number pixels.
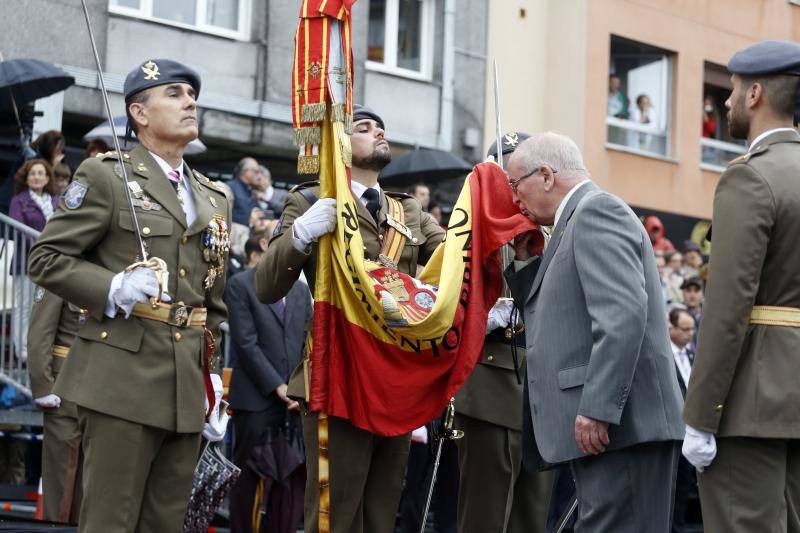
[{"x": 33, "y": 204}]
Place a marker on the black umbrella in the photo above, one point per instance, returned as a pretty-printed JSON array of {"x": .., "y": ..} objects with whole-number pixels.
[
  {"x": 30, "y": 79},
  {"x": 427, "y": 165}
]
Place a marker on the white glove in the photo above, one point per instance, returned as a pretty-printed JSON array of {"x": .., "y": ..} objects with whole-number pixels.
[
  {"x": 130, "y": 288},
  {"x": 51, "y": 401},
  {"x": 319, "y": 220},
  {"x": 699, "y": 447},
  {"x": 499, "y": 315},
  {"x": 214, "y": 430},
  {"x": 420, "y": 435}
]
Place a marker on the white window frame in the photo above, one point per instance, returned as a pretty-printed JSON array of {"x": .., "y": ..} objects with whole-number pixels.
[
  {"x": 145, "y": 12},
  {"x": 391, "y": 25}
]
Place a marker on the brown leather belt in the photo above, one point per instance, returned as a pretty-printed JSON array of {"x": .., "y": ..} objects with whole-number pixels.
[
  {"x": 60, "y": 351},
  {"x": 772, "y": 315},
  {"x": 176, "y": 314}
]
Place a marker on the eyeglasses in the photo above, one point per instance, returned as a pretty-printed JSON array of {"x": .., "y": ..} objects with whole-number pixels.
[{"x": 514, "y": 184}]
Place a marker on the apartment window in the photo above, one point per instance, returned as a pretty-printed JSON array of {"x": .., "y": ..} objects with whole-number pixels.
[
  {"x": 228, "y": 18},
  {"x": 717, "y": 146},
  {"x": 400, "y": 37},
  {"x": 639, "y": 103}
]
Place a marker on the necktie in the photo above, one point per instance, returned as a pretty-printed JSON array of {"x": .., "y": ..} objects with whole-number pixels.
[
  {"x": 175, "y": 181},
  {"x": 373, "y": 202},
  {"x": 280, "y": 308}
]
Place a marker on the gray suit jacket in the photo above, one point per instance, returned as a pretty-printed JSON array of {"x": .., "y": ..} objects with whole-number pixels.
[{"x": 597, "y": 342}]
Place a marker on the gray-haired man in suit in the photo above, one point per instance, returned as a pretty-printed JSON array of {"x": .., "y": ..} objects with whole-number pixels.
[{"x": 602, "y": 389}]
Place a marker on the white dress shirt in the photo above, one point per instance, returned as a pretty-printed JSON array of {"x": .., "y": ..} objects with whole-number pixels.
[
  {"x": 768, "y": 132},
  {"x": 359, "y": 189},
  {"x": 189, "y": 209},
  {"x": 682, "y": 362}
]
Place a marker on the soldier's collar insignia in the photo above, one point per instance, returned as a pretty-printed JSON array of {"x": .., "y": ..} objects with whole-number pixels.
[
  {"x": 151, "y": 71},
  {"x": 74, "y": 195},
  {"x": 512, "y": 139}
]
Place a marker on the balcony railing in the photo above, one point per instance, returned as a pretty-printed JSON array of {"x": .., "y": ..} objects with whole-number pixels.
[
  {"x": 717, "y": 154},
  {"x": 633, "y": 136}
]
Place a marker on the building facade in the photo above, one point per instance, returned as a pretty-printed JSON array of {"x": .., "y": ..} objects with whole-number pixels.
[
  {"x": 420, "y": 63},
  {"x": 639, "y": 84}
]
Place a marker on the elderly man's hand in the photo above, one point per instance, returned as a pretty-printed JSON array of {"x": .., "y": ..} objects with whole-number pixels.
[
  {"x": 528, "y": 244},
  {"x": 591, "y": 435}
]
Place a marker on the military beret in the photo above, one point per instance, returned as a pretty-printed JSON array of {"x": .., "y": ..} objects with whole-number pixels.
[
  {"x": 765, "y": 58},
  {"x": 155, "y": 72},
  {"x": 510, "y": 142},
  {"x": 361, "y": 112}
]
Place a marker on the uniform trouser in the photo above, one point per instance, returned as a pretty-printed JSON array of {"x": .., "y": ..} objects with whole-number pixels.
[
  {"x": 753, "y": 486},
  {"x": 496, "y": 494},
  {"x": 61, "y": 464},
  {"x": 631, "y": 490},
  {"x": 366, "y": 477},
  {"x": 136, "y": 478},
  {"x": 421, "y": 460}
]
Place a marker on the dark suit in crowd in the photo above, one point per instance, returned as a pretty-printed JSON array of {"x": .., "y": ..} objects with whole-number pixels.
[{"x": 268, "y": 340}]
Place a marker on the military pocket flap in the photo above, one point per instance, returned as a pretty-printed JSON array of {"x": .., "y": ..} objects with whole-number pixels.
[
  {"x": 156, "y": 225},
  {"x": 573, "y": 376},
  {"x": 122, "y": 333}
]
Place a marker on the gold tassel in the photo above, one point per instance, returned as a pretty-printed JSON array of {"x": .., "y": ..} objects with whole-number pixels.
[
  {"x": 313, "y": 112},
  {"x": 308, "y": 164},
  {"x": 308, "y": 135},
  {"x": 348, "y": 124},
  {"x": 338, "y": 112}
]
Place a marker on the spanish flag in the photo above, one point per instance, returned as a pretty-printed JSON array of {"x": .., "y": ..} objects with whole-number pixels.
[{"x": 389, "y": 350}]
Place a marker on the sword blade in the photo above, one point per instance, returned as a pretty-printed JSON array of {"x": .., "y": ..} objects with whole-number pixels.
[
  {"x": 433, "y": 484},
  {"x": 504, "y": 253},
  {"x": 117, "y": 147},
  {"x": 570, "y": 510}
]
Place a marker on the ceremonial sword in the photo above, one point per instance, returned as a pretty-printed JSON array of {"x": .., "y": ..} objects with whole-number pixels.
[
  {"x": 154, "y": 263},
  {"x": 446, "y": 433}
]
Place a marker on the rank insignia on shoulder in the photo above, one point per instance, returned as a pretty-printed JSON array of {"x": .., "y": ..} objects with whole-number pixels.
[
  {"x": 39, "y": 296},
  {"x": 74, "y": 195}
]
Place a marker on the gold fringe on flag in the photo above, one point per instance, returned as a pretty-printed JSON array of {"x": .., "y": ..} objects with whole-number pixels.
[
  {"x": 313, "y": 112},
  {"x": 308, "y": 164},
  {"x": 309, "y": 135}
]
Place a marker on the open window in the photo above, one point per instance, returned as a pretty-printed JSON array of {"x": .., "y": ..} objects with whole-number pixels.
[
  {"x": 717, "y": 146},
  {"x": 639, "y": 97}
]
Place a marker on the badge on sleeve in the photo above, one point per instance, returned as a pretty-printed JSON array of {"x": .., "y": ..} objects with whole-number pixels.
[{"x": 74, "y": 195}]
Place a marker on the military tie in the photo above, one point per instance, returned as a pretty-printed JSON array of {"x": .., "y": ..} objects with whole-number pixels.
[
  {"x": 175, "y": 181},
  {"x": 373, "y": 198}
]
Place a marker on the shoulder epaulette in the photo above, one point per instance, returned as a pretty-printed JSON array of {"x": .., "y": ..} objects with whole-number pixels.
[
  {"x": 744, "y": 158},
  {"x": 112, "y": 154},
  {"x": 305, "y": 185},
  {"x": 202, "y": 178}
]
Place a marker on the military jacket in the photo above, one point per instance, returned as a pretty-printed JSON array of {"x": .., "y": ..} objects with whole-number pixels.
[
  {"x": 137, "y": 369},
  {"x": 744, "y": 377},
  {"x": 54, "y": 322},
  {"x": 281, "y": 265}
]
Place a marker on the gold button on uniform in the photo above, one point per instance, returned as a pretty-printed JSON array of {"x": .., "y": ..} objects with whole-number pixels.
[
  {"x": 184, "y": 239},
  {"x": 178, "y": 337},
  {"x": 182, "y": 273},
  {"x": 146, "y": 230},
  {"x": 490, "y": 358},
  {"x": 103, "y": 334},
  {"x": 718, "y": 408}
]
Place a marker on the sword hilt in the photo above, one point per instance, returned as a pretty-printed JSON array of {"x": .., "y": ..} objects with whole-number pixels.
[{"x": 159, "y": 266}]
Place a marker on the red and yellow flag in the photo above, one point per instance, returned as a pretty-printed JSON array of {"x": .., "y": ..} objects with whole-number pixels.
[{"x": 389, "y": 350}]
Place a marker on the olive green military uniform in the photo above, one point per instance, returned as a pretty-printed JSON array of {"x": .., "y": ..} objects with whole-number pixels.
[
  {"x": 366, "y": 471},
  {"x": 495, "y": 493},
  {"x": 138, "y": 383},
  {"x": 744, "y": 378},
  {"x": 54, "y": 324}
]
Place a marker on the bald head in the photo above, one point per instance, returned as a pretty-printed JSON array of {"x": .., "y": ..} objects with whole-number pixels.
[{"x": 542, "y": 170}]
